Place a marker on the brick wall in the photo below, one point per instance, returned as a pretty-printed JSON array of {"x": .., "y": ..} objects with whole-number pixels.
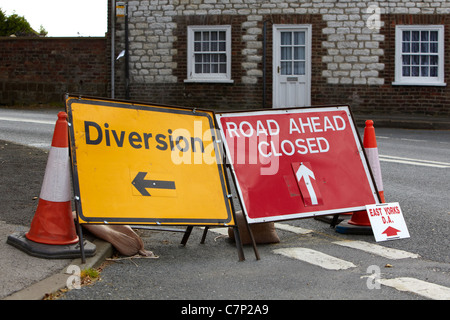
[
  {"x": 42, "y": 70},
  {"x": 351, "y": 64}
]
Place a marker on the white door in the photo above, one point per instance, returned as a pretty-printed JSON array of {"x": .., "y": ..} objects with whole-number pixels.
[{"x": 291, "y": 66}]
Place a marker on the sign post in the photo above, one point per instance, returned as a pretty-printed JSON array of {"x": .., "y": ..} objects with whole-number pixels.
[
  {"x": 297, "y": 163},
  {"x": 146, "y": 164}
]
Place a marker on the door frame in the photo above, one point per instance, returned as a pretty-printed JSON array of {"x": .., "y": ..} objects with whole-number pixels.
[{"x": 276, "y": 31}]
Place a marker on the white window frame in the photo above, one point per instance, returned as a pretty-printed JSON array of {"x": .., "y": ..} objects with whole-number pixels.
[
  {"x": 419, "y": 80},
  {"x": 192, "y": 76}
]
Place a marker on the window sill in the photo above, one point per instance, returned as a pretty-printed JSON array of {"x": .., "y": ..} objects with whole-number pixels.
[
  {"x": 208, "y": 81},
  {"x": 422, "y": 84}
]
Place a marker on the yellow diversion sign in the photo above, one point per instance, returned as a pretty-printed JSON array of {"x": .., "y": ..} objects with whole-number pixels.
[{"x": 146, "y": 164}]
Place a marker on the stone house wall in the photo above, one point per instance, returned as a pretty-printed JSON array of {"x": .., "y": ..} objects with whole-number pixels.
[{"x": 351, "y": 63}]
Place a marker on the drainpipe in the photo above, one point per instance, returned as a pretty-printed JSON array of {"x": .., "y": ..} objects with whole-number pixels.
[
  {"x": 113, "y": 35},
  {"x": 127, "y": 57},
  {"x": 264, "y": 63}
]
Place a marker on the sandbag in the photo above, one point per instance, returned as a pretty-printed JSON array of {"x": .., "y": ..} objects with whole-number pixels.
[
  {"x": 122, "y": 237},
  {"x": 263, "y": 233}
]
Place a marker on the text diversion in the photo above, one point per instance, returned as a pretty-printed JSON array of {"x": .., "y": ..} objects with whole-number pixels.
[{"x": 95, "y": 135}]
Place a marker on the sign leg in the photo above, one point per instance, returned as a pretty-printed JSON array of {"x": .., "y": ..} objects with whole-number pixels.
[
  {"x": 187, "y": 233},
  {"x": 205, "y": 231},
  {"x": 252, "y": 239},
  {"x": 239, "y": 247},
  {"x": 80, "y": 236},
  {"x": 334, "y": 221}
]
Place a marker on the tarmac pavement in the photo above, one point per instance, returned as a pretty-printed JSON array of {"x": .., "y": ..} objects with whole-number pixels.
[
  {"x": 26, "y": 277},
  {"x": 23, "y": 276}
]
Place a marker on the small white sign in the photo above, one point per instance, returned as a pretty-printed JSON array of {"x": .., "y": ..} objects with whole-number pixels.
[
  {"x": 387, "y": 221},
  {"x": 120, "y": 9}
]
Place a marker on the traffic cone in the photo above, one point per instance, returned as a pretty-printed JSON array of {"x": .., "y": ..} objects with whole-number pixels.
[
  {"x": 371, "y": 148},
  {"x": 52, "y": 232},
  {"x": 360, "y": 222},
  {"x": 53, "y": 221}
]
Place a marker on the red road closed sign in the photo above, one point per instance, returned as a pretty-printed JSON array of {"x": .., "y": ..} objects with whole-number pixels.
[{"x": 297, "y": 163}]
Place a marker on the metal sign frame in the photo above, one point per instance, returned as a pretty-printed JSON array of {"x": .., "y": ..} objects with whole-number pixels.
[
  {"x": 141, "y": 184},
  {"x": 244, "y": 190}
]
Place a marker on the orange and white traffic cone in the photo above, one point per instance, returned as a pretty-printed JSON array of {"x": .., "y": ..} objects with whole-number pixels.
[
  {"x": 359, "y": 222},
  {"x": 52, "y": 232},
  {"x": 53, "y": 221},
  {"x": 371, "y": 148}
]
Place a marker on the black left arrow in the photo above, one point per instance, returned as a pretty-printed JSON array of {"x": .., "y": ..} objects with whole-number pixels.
[{"x": 141, "y": 184}]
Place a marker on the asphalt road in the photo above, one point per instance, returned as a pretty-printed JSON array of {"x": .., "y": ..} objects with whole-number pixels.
[
  {"x": 419, "y": 182},
  {"x": 415, "y": 170},
  {"x": 33, "y": 128}
]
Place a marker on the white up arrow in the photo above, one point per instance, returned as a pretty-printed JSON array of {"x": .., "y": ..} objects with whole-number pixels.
[{"x": 305, "y": 173}]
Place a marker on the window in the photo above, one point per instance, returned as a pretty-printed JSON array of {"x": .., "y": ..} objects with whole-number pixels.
[
  {"x": 293, "y": 48},
  {"x": 419, "y": 55},
  {"x": 209, "y": 54}
]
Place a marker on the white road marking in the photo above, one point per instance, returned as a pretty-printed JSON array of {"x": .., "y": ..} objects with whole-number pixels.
[
  {"x": 377, "y": 249},
  {"x": 287, "y": 227},
  {"x": 316, "y": 258},
  {"x": 222, "y": 231},
  {"x": 281, "y": 226},
  {"x": 420, "y": 287},
  {"x": 27, "y": 120},
  {"x": 417, "y": 162}
]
